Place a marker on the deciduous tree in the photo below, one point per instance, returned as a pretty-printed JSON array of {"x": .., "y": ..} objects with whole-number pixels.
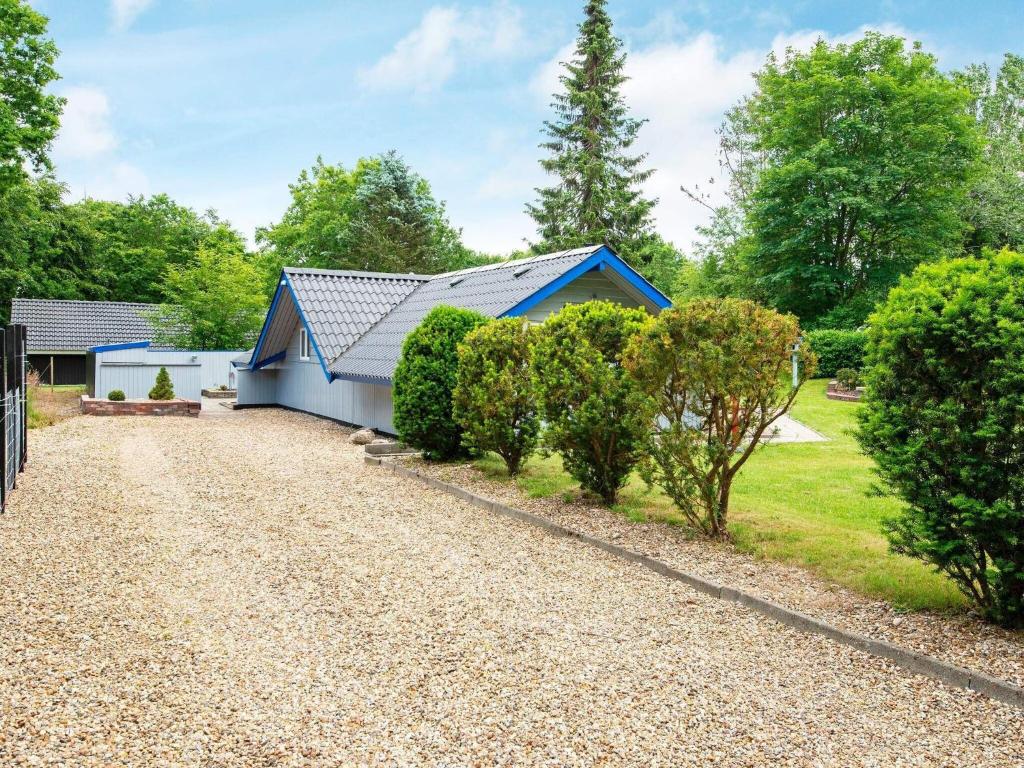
[
  {"x": 29, "y": 115},
  {"x": 996, "y": 202},
  {"x": 216, "y": 301},
  {"x": 718, "y": 371}
]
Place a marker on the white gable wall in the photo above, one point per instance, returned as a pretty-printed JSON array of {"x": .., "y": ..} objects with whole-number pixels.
[{"x": 586, "y": 287}]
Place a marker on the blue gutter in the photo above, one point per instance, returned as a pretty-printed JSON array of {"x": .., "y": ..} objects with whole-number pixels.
[
  {"x": 115, "y": 347},
  {"x": 600, "y": 260}
]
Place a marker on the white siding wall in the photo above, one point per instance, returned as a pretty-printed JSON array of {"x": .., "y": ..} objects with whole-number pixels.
[
  {"x": 134, "y": 371},
  {"x": 593, "y": 285},
  {"x": 301, "y": 384},
  {"x": 257, "y": 387}
]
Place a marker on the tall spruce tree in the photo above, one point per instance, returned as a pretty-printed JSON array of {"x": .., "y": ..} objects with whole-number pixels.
[{"x": 597, "y": 198}]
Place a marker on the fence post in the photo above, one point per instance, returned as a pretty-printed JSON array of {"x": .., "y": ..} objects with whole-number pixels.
[
  {"x": 23, "y": 399},
  {"x": 3, "y": 420}
]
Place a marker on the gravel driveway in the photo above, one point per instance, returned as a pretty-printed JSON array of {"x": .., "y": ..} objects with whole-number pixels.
[{"x": 244, "y": 591}]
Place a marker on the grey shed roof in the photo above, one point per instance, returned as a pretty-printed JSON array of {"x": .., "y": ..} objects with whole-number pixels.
[
  {"x": 491, "y": 290},
  {"x": 339, "y": 306},
  {"x": 56, "y": 325}
]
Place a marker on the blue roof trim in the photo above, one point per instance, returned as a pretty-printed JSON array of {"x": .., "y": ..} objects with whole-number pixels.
[
  {"x": 272, "y": 359},
  {"x": 115, "y": 347},
  {"x": 309, "y": 331},
  {"x": 602, "y": 259},
  {"x": 255, "y": 363},
  {"x": 266, "y": 323}
]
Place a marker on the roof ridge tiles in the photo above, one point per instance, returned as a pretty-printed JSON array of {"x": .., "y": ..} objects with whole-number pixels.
[{"x": 411, "y": 276}]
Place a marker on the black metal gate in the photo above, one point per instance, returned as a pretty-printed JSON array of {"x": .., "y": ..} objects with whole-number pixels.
[{"x": 13, "y": 448}]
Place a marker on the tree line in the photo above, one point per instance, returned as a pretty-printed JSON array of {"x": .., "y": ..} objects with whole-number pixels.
[{"x": 846, "y": 166}]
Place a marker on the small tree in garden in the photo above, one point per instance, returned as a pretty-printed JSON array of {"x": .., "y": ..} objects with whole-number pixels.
[
  {"x": 944, "y": 420},
  {"x": 424, "y": 380},
  {"x": 495, "y": 400},
  {"x": 597, "y": 418},
  {"x": 162, "y": 389},
  {"x": 719, "y": 371}
]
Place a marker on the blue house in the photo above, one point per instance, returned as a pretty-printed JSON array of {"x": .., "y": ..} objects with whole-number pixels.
[{"x": 332, "y": 338}]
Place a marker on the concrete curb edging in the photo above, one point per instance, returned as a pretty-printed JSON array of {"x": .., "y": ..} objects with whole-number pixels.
[{"x": 914, "y": 662}]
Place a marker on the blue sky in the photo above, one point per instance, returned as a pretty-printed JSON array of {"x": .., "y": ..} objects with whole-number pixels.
[{"x": 220, "y": 103}]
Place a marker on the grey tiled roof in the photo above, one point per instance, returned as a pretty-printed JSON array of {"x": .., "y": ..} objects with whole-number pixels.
[
  {"x": 491, "y": 290},
  {"x": 340, "y": 306},
  {"x": 74, "y": 326}
]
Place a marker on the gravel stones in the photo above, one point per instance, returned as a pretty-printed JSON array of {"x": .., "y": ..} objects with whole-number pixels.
[
  {"x": 281, "y": 603},
  {"x": 962, "y": 640}
]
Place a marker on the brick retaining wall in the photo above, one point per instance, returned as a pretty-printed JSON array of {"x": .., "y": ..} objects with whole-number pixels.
[
  {"x": 835, "y": 393},
  {"x": 97, "y": 407}
]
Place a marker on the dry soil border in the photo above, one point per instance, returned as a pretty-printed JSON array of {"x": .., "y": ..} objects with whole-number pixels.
[{"x": 917, "y": 663}]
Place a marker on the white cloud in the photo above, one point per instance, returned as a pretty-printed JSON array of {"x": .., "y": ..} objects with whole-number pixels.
[
  {"x": 106, "y": 181},
  {"x": 684, "y": 89},
  {"x": 125, "y": 12},
  {"x": 85, "y": 125},
  {"x": 427, "y": 57}
]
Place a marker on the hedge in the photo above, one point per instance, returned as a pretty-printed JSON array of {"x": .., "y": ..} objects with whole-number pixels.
[{"x": 837, "y": 349}]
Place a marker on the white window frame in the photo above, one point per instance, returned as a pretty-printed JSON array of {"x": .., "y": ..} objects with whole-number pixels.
[{"x": 303, "y": 344}]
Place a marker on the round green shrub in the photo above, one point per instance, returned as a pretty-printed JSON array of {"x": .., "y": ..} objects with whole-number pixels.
[
  {"x": 115, "y": 395},
  {"x": 597, "y": 418},
  {"x": 943, "y": 418},
  {"x": 162, "y": 389},
  {"x": 847, "y": 378},
  {"x": 425, "y": 378},
  {"x": 495, "y": 400},
  {"x": 837, "y": 349}
]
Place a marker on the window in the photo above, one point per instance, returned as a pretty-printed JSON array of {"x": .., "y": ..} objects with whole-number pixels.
[{"x": 303, "y": 344}]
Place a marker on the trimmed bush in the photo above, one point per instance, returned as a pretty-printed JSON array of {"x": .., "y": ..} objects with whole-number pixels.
[
  {"x": 115, "y": 395},
  {"x": 719, "y": 373},
  {"x": 163, "y": 389},
  {"x": 597, "y": 418},
  {"x": 837, "y": 349},
  {"x": 495, "y": 400},
  {"x": 943, "y": 417},
  {"x": 425, "y": 378},
  {"x": 847, "y": 378}
]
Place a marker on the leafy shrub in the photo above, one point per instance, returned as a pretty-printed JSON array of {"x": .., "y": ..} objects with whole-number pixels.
[
  {"x": 847, "y": 378},
  {"x": 596, "y": 416},
  {"x": 162, "y": 389},
  {"x": 424, "y": 380},
  {"x": 943, "y": 418},
  {"x": 719, "y": 373},
  {"x": 837, "y": 349},
  {"x": 495, "y": 400},
  {"x": 116, "y": 395}
]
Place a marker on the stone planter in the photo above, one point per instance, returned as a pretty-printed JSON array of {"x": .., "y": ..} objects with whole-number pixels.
[
  {"x": 835, "y": 392},
  {"x": 226, "y": 394},
  {"x": 92, "y": 406}
]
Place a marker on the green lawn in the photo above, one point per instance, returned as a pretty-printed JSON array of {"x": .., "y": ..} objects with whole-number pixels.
[{"x": 804, "y": 504}]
